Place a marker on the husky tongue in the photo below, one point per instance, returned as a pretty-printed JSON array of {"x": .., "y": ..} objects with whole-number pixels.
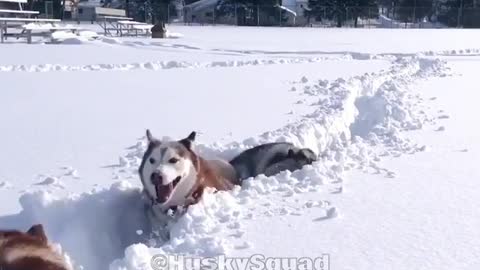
[{"x": 163, "y": 192}]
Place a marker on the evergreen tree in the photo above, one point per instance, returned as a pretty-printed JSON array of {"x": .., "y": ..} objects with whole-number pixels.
[
  {"x": 153, "y": 11},
  {"x": 342, "y": 10},
  {"x": 251, "y": 12},
  {"x": 362, "y": 9},
  {"x": 456, "y": 13},
  {"x": 413, "y": 10},
  {"x": 39, "y": 5}
]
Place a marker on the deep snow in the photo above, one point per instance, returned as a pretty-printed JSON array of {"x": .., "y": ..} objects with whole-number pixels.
[{"x": 389, "y": 119}]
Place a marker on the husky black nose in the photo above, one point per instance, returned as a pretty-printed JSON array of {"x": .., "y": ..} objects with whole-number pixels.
[{"x": 156, "y": 178}]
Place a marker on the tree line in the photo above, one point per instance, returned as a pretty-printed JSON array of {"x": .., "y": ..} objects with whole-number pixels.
[{"x": 452, "y": 13}]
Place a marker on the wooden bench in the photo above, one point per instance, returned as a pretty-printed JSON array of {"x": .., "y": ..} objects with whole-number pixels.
[
  {"x": 13, "y": 2},
  {"x": 28, "y": 31},
  {"x": 115, "y": 22},
  {"x": 109, "y": 24},
  {"x": 27, "y": 13},
  {"x": 130, "y": 28}
]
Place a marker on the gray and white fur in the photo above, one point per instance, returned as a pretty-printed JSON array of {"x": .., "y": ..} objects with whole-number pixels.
[{"x": 270, "y": 159}]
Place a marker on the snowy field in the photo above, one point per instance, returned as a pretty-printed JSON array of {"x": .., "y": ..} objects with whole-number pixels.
[{"x": 391, "y": 113}]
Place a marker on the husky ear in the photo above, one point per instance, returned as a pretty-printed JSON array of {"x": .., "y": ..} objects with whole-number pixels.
[
  {"x": 192, "y": 136},
  {"x": 188, "y": 142},
  {"x": 38, "y": 231},
  {"x": 149, "y": 136}
]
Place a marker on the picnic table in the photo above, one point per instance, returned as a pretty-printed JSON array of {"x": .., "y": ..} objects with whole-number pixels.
[
  {"x": 27, "y": 13},
  {"x": 17, "y": 22},
  {"x": 30, "y": 27}
]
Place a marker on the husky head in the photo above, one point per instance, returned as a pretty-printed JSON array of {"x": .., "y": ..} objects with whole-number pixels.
[
  {"x": 167, "y": 170},
  {"x": 302, "y": 156}
]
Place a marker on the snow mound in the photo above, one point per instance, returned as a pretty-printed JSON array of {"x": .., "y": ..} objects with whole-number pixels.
[
  {"x": 174, "y": 35},
  {"x": 154, "y": 65},
  {"x": 78, "y": 38},
  {"x": 93, "y": 228}
]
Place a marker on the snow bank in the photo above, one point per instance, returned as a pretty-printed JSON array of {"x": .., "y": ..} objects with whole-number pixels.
[
  {"x": 77, "y": 38},
  {"x": 159, "y": 65},
  {"x": 173, "y": 35},
  {"x": 94, "y": 228}
]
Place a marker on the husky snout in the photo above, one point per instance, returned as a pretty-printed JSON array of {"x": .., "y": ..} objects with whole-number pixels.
[{"x": 156, "y": 178}]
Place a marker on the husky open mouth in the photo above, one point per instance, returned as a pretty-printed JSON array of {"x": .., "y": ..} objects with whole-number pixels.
[{"x": 164, "y": 191}]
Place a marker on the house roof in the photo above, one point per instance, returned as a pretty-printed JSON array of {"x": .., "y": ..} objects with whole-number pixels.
[
  {"x": 202, "y": 4},
  {"x": 91, "y": 3},
  {"x": 14, "y": 1}
]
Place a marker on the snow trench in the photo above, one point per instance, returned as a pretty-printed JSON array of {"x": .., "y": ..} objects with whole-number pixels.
[
  {"x": 107, "y": 229},
  {"x": 163, "y": 65}
]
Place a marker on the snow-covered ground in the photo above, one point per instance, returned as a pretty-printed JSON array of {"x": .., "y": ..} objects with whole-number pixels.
[{"x": 390, "y": 112}]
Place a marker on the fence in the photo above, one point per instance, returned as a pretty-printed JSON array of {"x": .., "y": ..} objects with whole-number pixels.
[{"x": 302, "y": 16}]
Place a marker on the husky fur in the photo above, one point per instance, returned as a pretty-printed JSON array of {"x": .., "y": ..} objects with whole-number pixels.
[
  {"x": 174, "y": 175},
  {"x": 270, "y": 159},
  {"x": 29, "y": 251}
]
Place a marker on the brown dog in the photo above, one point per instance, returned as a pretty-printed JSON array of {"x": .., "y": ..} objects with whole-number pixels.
[{"x": 29, "y": 251}]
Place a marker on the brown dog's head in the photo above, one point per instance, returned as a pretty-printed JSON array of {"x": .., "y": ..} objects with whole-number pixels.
[
  {"x": 36, "y": 234},
  {"x": 29, "y": 250}
]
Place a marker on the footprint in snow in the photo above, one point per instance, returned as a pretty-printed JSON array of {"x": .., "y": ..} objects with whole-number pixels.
[
  {"x": 391, "y": 174},
  {"x": 463, "y": 150},
  {"x": 122, "y": 162},
  {"x": 441, "y": 128},
  {"x": 337, "y": 190},
  {"x": 284, "y": 211},
  {"x": 300, "y": 102},
  {"x": 50, "y": 181},
  {"x": 237, "y": 234},
  {"x": 5, "y": 185},
  {"x": 443, "y": 117},
  {"x": 433, "y": 98},
  {"x": 268, "y": 213},
  {"x": 244, "y": 245},
  {"x": 422, "y": 148},
  {"x": 311, "y": 204},
  {"x": 138, "y": 145},
  {"x": 234, "y": 225},
  {"x": 69, "y": 171},
  {"x": 330, "y": 213}
]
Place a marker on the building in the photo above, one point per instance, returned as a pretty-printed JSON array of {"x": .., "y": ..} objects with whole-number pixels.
[
  {"x": 87, "y": 10},
  {"x": 204, "y": 11}
]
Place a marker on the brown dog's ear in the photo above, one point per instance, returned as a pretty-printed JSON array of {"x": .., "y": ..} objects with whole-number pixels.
[
  {"x": 188, "y": 142},
  {"x": 38, "y": 231}
]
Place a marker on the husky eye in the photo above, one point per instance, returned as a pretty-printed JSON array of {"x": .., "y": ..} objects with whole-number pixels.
[
  {"x": 151, "y": 160},
  {"x": 173, "y": 160}
]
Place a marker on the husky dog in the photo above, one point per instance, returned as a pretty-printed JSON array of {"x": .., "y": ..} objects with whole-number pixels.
[
  {"x": 174, "y": 175},
  {"x": 29, "y": 251},
  {"x": 270, "y": 159}
]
